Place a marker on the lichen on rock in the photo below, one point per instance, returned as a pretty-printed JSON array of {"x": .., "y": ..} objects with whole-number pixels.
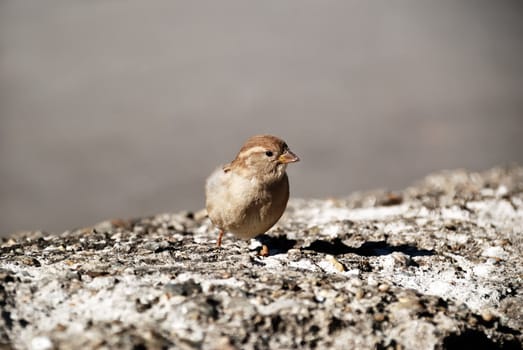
[{"x": 438, "y": 265}]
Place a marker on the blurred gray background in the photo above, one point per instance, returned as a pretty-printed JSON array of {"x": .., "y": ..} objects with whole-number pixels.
[{"x": 112, "y": 108}]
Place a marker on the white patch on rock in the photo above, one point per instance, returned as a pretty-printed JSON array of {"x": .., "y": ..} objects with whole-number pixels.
[
  {"x": 501, "y": 191},
  {"x": 303, "y": 264},
  {"x": 41, "y": 343},
  {"x": 455, "y": 213},
  {"x": 415, "y": 334},
  {"x": 483, "y": 270},
  {"x": 396, "y": 227},
  {"x": 441, "y": 281},
  {"x": 495, "y": 252},
  {"x": 499, "y": 213},
  {"x": 459, "y": 238},
  {"x": 331, "y": 230},
  {"x": 327, "y": 267},
  {"x": 325, "y": 212},
  {"x": 276, "y": 306}
]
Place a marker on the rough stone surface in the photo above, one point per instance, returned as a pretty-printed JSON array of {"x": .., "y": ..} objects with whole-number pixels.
[{"x": 438, "y": 265}]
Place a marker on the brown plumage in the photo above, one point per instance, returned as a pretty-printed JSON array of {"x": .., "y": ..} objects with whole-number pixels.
[{"x": 249, "y": 195}]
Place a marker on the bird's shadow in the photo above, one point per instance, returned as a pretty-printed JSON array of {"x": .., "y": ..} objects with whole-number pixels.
[
  {"x": 277, "y": 245},
  {"x": 372, "y": 248},
  {"x": 281, "y": 245}
]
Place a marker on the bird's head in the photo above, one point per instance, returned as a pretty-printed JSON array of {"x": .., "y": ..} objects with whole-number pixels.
[{"x": 264, "y": 157}]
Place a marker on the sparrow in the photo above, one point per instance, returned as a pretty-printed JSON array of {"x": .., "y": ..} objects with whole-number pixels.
[{"x": 249, "y": 195}]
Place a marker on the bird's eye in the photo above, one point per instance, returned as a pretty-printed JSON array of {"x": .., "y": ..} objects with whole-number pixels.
[{"x": 269, "y": 154}]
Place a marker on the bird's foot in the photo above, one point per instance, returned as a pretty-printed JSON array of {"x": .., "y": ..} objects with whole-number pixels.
[{"x": 264, "y": 251}]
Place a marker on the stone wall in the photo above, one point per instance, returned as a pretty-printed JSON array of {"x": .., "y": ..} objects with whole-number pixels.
[{"x": 438, "y": 265}]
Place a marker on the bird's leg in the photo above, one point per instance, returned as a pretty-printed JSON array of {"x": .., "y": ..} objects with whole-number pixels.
[{"x": 219, "y": 241}]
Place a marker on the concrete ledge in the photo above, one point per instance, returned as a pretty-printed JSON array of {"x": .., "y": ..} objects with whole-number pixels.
[{"x": 438, "y": 265}]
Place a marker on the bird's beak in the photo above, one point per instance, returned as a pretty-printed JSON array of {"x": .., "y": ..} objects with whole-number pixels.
[{"x": 288, "y": 157}]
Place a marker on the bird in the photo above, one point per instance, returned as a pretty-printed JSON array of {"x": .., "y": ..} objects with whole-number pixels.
[{"x": 249, "y": 195}]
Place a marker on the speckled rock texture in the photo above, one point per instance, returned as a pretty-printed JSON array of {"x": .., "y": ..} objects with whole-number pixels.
[{"x": 436, "y": 266}]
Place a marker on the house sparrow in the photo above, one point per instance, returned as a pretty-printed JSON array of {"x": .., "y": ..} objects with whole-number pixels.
[{"x": 249, "y": 195}]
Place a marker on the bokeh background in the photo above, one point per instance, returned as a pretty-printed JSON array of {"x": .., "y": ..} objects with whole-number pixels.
[{"x": 112, "y": 108}]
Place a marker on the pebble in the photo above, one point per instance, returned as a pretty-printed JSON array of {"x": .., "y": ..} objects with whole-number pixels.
[
  {"x": 360, "y": 293},
  {"x": 379, "y": 317},
  {"x": 384, "y": 287},
  {"x": 487, "y": 316},
  {"x": 337, "y": 265}
]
